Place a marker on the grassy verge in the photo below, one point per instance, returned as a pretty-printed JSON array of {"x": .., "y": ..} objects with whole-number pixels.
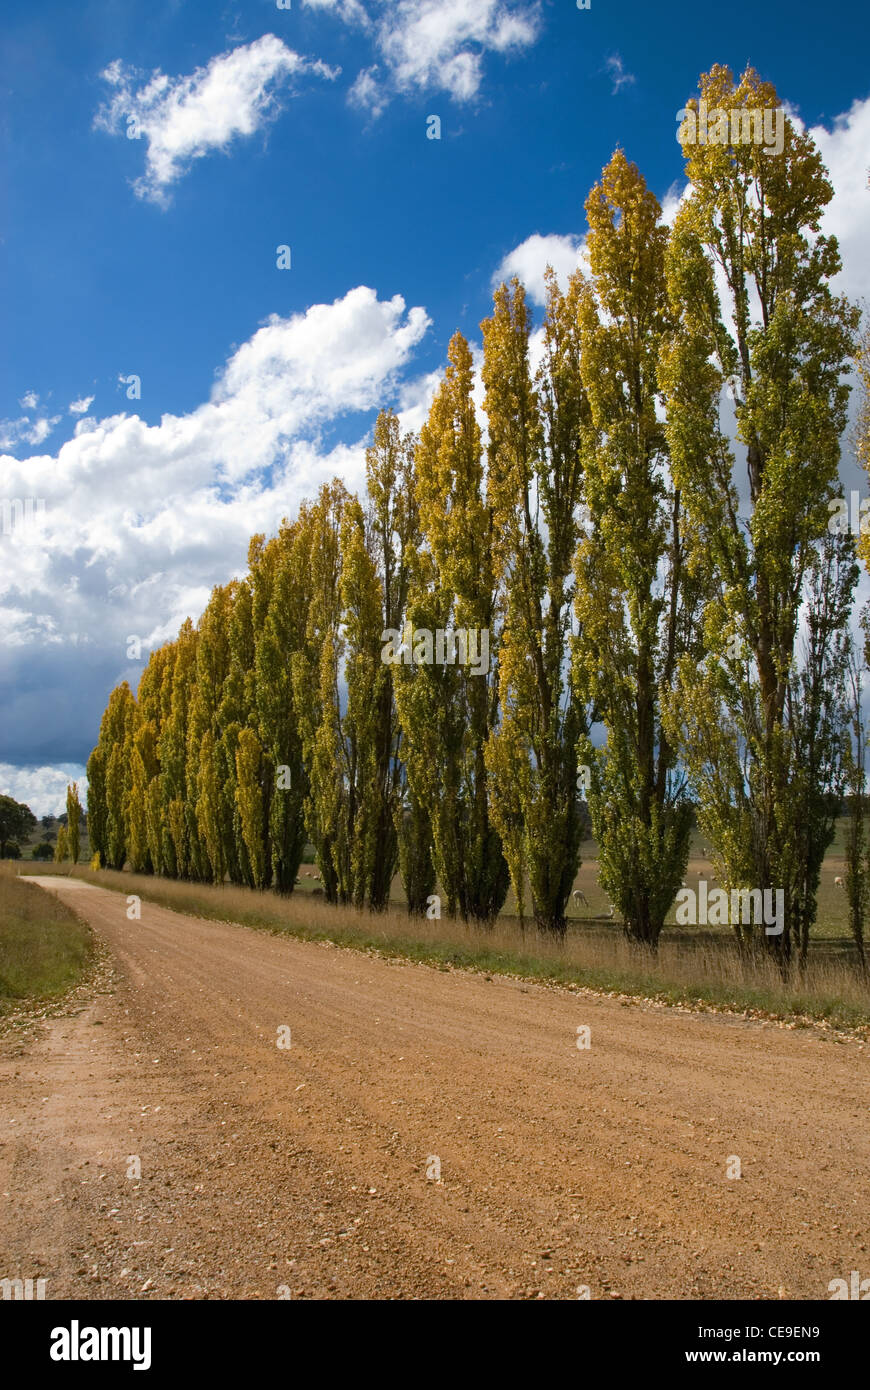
[
  {"x": 706, "y": 974},
  {"x": 44, "y": 947}
]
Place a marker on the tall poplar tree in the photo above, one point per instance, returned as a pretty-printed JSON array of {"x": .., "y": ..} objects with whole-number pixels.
[
  {"x": 635, "y": 602},
  {"x": 151, "y": 699},
  {"x": 367, "y": 733},
  {"x": 448, "y": 710},
  {"x": 74, "y": 815},
  {"x": 172, "y": 751},
  {"x": 250, "y": 770},
  {"x": 401, "y": 824},
  {"x": 533, "y": 492},
  {"x": 280, "y": 587},
  {"x": 315, "y": 673},
  {"x": 114, "y": 748},
  {"x": 749, "y": 279},
  {"x": 97, "y": 808}
]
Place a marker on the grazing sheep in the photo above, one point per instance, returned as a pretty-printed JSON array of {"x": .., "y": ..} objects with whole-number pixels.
[
  {"x": 579, "y": 898},
  {"x": 838, "y": 882}
]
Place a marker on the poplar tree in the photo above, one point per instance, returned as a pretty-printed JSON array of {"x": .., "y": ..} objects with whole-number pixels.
[
  {"x": 315, "y": 675},
  {"x": 368, "y": 735},
  {"x": 136, "y": 803},
  {"x": 115, "y": 747},
  {"x": 250, "y": 801},
  {"x": 172, "y": 751},
  {"x": 97, "y": 810},
  {"x": 74, "y": 813},
  {"x": 155, "y": 698},
  {"x": 237, "y": 710},
  {"x": 151, "y": 702},
  {"x": 533, "y": 491},
  {"x": 354, "y": 782},
  {"x": 280, "y": 594},
  {"x": 749, "y": 281},
  {"x": 209, "y": 809},
  {"x": 635, "y": 603},
  {"x": 402, "y": 827},
  {"x": 212, "y": 667},
  {"x": 448, "y": 710}
]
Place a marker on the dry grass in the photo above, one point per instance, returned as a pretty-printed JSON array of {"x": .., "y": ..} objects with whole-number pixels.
[{"x": 699, "y": 969}]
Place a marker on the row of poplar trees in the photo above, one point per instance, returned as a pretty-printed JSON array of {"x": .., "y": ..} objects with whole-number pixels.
[{"x": 636, "y": 570}]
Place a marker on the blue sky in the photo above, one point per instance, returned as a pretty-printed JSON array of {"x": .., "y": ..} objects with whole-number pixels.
[{"x": 307, "y": 127}]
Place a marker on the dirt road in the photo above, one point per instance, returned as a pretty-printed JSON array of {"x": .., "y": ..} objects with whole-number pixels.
[{"x": 301, "y": 1171}]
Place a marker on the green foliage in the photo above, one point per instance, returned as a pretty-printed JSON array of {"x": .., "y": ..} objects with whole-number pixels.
[
  {"x": 533, "y": 488},
  {"x": 74, "y": 815},
  {"x": 635, "y": 601},
  {"x": 758, "y": 721},
  {"x": 97, "y": 807},
  {"x": 447, "y": 711},
  {"x": 17, "y": 821}
]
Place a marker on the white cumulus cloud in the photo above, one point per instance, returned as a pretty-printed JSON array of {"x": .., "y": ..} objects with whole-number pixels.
[
  {"x": 184, "y": 118},
  {"x": 530, "y": 259},
  {"x": 43, "y": 789},
  {"x": 434, "y": 45},
  {"x": 844, "y": 150},
  {"x": 33, "y": 432},
  {"x": 141, "y": 521}
]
